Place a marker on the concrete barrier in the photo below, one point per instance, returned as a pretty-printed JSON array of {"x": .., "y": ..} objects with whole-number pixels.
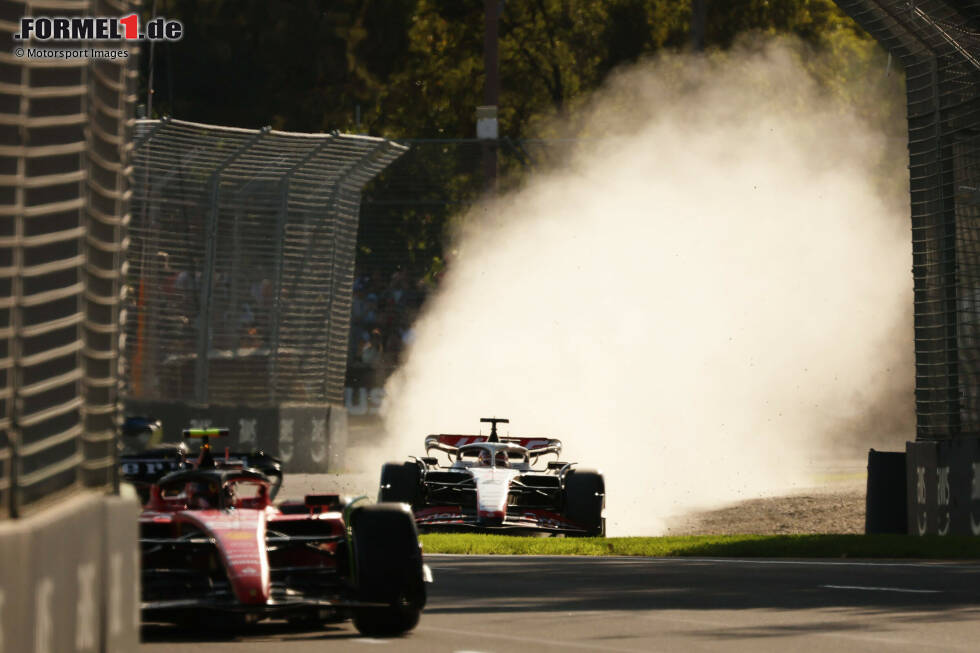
[
  {"x": 69, "y": 580},
  {"x": 121, "y": 563},
  {"x": 16, "y": 581}
]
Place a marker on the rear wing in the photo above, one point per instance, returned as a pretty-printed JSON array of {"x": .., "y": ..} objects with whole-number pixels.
[
  {"x": 210, "y": 432},
  {"x": 450, "y": 444},
  {"x": 206, "y": 459}
]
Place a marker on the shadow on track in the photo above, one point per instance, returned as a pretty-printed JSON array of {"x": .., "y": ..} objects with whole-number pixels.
[
  {"x": 266, "y": 630},
  {"x": 523, "y": 584}
]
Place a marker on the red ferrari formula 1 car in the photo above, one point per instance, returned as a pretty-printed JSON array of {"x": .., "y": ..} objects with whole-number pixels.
[
  {"x": 491, "y": 484},
  {"x": 215, "y": 547}
]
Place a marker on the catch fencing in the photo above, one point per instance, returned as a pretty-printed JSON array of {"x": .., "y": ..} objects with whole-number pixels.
[
  {"x": 64, "y": 143},
  {"x": 938, "y": 43},
  {"x": 241, "y": 262},
  {"x": 400, "y": 255}
]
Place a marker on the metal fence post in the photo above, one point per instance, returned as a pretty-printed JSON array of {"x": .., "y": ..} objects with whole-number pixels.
[
  {"x": 281, "y": 216},
  {"x": 277, "y": 285},
  {"x": 147, "y": 255},
  {"x": 207, "y": 275},
  {"x": 947, "y": 256},
  {"x": 340, "y": 183}
]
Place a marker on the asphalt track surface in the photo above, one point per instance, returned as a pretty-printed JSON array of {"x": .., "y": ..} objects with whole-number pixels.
[{"x": 502, "y": 603}]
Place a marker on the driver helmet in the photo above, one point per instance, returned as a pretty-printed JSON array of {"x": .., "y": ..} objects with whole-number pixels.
[
  {"x": 228, "y": 496},
  {"x": 484, "y": 458},
  {"x": 203, "y": 495}
]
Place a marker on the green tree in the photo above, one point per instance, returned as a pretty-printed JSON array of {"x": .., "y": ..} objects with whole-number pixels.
[
  {"x": 303, "y": 65},
  {"x": 415, "y": 69}
]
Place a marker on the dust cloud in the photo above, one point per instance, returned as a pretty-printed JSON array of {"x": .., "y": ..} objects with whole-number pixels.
[{"x": 705, "y": 293}]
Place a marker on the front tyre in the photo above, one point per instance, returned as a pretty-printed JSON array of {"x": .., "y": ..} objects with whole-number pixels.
[
  {"x": 388, "y": 569},
  {"x": 585, "y": 499},
  {"x": 400, "y": 482}
]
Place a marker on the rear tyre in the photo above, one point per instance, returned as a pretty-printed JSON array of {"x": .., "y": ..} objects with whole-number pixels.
[
  {"x": 585, "y": 499},
  {"x": 400, "y": 483},
  {"x": 388, "y": 569}
]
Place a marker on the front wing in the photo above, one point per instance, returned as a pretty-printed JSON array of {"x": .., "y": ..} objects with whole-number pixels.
[
  {"x": 170, "y": 592},
  {"x": 335, "y": 597},
  {"x": 166, "y": 610},
  {"x": 523, "y": 520}
]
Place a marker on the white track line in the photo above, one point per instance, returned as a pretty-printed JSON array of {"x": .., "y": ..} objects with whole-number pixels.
[
  {"x": 827, "y": 563},
  {"x": 884, "y": 639},
  {"x": 453, "y": 557},
  {"x": 469, "y": 634},
  {"x": 902, "y": 642},
  {"x": 880, "y": 589}
]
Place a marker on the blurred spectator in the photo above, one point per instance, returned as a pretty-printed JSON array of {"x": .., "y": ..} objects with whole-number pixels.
[
  {"x": 372, "y": 350},
  {"x": 263, "y": 309},
  {"x": 167, "y": 276},
  {"x": 383, "y": 310}
]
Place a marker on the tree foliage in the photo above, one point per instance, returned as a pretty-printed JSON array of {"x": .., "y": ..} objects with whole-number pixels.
[{"x": 414, "y": 69}]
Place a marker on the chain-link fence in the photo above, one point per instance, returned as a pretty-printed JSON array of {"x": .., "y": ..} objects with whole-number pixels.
[
  {"x": 938, "y": 43},
  {"x": 400, "y": 253},
  {"x": 241, "y": 262},
  {"x": 64, "y": 142}
]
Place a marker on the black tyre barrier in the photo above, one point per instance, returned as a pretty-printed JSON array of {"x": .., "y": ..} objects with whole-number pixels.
[{"x": 885, "y": 510}]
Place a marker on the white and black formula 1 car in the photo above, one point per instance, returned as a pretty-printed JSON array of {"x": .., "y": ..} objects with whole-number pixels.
[{"x": 491, "y": 484}]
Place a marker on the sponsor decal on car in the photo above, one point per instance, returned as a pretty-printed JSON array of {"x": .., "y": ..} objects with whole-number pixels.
[
  {"x": 216, "y": 525},
  {"x": 240, "y": 535},
  {"x": 438, "y": 514},
  {"x": 463, "y": 440},
  {"x": 148, "y": 466},
  {"x": 547, "y": 520}
]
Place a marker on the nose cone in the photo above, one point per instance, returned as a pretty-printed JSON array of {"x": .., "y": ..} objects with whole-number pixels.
[
  {"x": 490, "y": 517},
  {"x": 240, "y": 536},
  {"x": 492, "y": 488}
]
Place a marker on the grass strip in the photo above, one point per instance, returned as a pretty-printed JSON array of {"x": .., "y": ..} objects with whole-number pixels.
[{"x": 769, "y": 546}]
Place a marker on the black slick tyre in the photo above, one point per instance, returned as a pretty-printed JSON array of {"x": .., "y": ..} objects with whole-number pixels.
[
  {"x": 388, "y": 570},
  {"x": 400, "y": 483},
  {"x": 585, "y": 499}
]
